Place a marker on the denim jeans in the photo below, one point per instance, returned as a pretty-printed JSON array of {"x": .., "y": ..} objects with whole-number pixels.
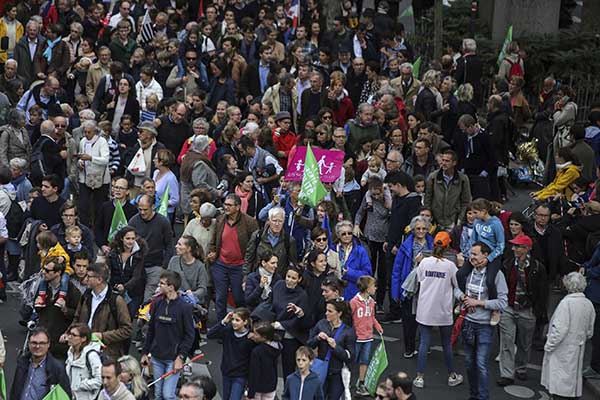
[
  {"x": 224, "y": 278},
  {"x": 233, "y": 388},
  {"x": 477, "y": 339},
  {"x": 167, "y": 388},
  {"x": 446, "y": 333}
]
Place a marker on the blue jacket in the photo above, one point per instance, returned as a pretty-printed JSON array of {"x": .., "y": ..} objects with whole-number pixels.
[
  {"x": 253, "y": 291},
  {"x": 311, "y": 388},
  {"x": 357, "y": 265},
  {"x": 490, "y": 232},
  {"x": 403, "y": 264},
  {"x": 592, "y": 137},
  {"x": 592, "y": 273}
]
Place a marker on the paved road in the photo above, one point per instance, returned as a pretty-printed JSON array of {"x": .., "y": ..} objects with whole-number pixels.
[{"x": 435, "y": 377}]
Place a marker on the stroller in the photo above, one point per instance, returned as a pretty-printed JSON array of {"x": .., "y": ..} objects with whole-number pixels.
[
  {"x": 28, "y": 291},
  {"x": 529, "y": 168}
]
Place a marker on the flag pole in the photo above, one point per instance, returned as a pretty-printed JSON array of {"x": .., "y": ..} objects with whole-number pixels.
[{"x": 172, "y": 372}]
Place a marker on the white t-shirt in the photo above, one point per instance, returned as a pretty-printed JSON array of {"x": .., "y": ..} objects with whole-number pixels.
[{"x": 437, "y": 278}]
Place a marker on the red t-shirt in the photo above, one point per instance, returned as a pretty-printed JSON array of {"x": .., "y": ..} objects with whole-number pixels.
[{"x": 231, "y": 253}]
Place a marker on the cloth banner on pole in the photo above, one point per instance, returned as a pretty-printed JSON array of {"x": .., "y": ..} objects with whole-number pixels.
[
  {"x": 507, "y": 41},
  {"x": 329, "y": 163},
  {"x": 118, "y": 222},
  {"x": 312, "y": 190},
  {"x": 378, "y": 364}
]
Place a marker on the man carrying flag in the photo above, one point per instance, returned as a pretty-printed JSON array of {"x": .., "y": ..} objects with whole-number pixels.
[
  {"x": 109, "y": 219},
  {"x": 38, "y": 372}
]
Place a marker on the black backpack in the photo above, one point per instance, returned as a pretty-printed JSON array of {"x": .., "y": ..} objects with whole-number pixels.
[
  {"x": 38, "y": 164},
  {"x": 14, "y": 219}
]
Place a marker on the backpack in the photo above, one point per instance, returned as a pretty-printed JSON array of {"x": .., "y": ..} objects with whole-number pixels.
[
  {"x": 87, "y": 360},
  {"x": 14, "y": 219},
  {"x": 38, "y": 164},
  {"x": 515, "y": 68}
]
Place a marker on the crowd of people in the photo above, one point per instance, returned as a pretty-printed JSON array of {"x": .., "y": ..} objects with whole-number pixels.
[{"x": 145, "y": 207}]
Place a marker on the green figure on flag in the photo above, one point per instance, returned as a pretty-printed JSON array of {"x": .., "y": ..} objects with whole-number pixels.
[
  {"x": 507, "y": 41},
  {"x": 118, "y": 221},
  {"x": 378, "y": 364},
  {"x": 164, "y": 203},
  {"x": 57, "y": 393},
  {"x": 312, "y": 190}
]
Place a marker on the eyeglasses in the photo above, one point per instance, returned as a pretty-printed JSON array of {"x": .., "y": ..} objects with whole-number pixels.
[
  {"x": 60, "y": 125},
  {"x": 345, "y": 233},
  {"x": 47, "y": 269},
  {"x": 191, "y": 58},
  {"x": 390, "y": 160},
  {"x": 74, "y": 334},
  {"x": 321, "y": 239},
  {"x": 420, "y": 229},
  {"x": 327, "y": 117},
  {"x": 321, "y": 133}
]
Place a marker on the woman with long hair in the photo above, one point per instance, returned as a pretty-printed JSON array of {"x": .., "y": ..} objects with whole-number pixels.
[
  {"x": 165, "y": 180},
  {"x": 83, "y": 365},
  {"x": 429, "y": 98},
  {"x": 124, "y": 102},
  {"x": 437, "y": 279},
  {"x": 334, "y": 336},
  {"x": 221, "y": 86},
  {"x": 252, "y": 200},
  {"x": 126, "y": 264},
  {"x": 131, "y": 377},
  {"x": 189, "y": 265}
]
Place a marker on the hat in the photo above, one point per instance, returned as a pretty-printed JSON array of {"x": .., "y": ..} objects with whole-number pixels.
[
  {"x": 344, "y": 48},
  {"x": 208, "y": 210},
  {"x": 522, "y": 240},
  {"x": 282, "y": 115},
  {"x": 148, "y": 126},
  {"x": 200, "y": 143},
  {"x": 442, "y": 239}
]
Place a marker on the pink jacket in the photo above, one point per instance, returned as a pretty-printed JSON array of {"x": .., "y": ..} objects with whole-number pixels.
[{"x": 363, "y": 318}]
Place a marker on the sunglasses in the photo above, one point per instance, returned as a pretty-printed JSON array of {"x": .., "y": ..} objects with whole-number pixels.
[
  {"x": 321, "y": 239},
  {"x": 327, "y": 117},
  {"x": 47, "y": 269}
]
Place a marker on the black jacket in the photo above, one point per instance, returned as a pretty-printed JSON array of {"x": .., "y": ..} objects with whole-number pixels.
[
  {"x": 478, "y": 157},
  {"x": 537, "y": 284},
  {"x": 469, "y": 69},
  {"x": 129, "y": 273},
  {"x": 104, "y": 220},
  {"x": 250, "y": 81},
  {"x": 263, "y": 368},
  {"x": 500, "y": 129},
  {"x": 55, "y": 372},
  {"x": 426, "y": 103},
  {"x": 354, "y": 85},
  {"x": 403, "y": 210},
  {"x": 253, "y": 291}
]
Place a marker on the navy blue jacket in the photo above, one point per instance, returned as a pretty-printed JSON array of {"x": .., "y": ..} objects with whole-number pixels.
[
  {"x": 263, "y": 368},
  {"x": 171, "y": 330},
  {"x": 280, "y": 298},
  {"x": 253, "y": 290},
  {"x": 344, "y": 349},
  {"x": 55, "y": 374},
  {"x": 311, "y": 390},
  {"x": 235, "y": 360}
]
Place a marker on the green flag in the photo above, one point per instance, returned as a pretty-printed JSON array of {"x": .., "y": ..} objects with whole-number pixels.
[
  {"x": 118, "y": 221},
  {"x": 378, "y": 364},
  {"x": 57, "y": 393},
  {"x": 164, "y": 203},
  {"x": 408, "y": 12},
  {"x": 312, "y": 190},
  {"x": 2, "y": 383},
  {"x": 507, "y": 41},
  {"x": 416, "y": 67}
]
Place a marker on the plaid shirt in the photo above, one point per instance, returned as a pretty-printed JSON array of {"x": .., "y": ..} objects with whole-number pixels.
[
  {"x": 309, "y": 50},
  {"x": 285, "y": 101}
]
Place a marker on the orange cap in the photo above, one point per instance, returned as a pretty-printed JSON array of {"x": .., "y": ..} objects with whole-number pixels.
[{"x": 442, "y": 239}]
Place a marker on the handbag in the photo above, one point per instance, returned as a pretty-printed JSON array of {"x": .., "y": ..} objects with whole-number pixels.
[
  {"x": 94, "y": 180},
  {"x": 321, "y": 367},
  {"x": 137, "y": 166}
]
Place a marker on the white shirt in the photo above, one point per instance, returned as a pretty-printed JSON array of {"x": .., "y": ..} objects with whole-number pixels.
[
  {"x": 96, "y": 300},
  {"x": 32, "y": 47},
  {"x": 3, "y": 230}
]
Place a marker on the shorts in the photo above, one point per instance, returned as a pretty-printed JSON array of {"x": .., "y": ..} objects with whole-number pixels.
[{"x": 363, "y": 352}]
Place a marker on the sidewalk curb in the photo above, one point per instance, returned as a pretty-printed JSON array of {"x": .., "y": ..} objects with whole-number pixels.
[{"x": 593, "y": 385}]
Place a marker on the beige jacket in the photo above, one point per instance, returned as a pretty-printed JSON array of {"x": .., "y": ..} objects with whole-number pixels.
[{"x": 95, "y": 73}]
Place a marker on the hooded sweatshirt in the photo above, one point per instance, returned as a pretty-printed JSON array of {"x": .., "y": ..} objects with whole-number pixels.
[{"x": 490, "y": 232}]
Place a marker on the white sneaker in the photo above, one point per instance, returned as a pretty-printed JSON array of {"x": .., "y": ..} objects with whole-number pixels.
[
  {"x": 455, "y": 379},
  {"x": 419, "y": 382}
]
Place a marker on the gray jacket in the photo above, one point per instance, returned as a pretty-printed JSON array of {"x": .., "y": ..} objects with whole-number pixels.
[
  {"x": 193, "y": 277},
  {"x": 11, "y": 146},
  {"x": 448, "y": 202}
]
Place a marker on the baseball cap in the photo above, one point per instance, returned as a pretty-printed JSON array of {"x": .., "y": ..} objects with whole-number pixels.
[
  {"x": 442, "y": 239},
  {"x": 522, "y": 240}
]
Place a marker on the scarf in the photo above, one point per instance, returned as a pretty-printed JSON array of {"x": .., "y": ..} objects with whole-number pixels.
[
  {"x": 18, "y": 180},
  {"x": 244, "y": 196},
  {"x": 51, "y": 44},
  {"x": 561, "y": 166},
  {"x": 190, "y": 160},
  {"x": 267, "y": 289}
]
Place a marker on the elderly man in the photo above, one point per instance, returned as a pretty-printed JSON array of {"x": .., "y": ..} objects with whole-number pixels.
[
  {"x": 37, "y": 370},
  {"x": 51, "y": 159},
  {"x": 97, "y": 71},
  {"x": 527, "y": 298},
  {"x": 362, "y": 129},
  {"x": 469, "y": 69},
  {"x": 274, "y": 238},
  {"x": 233, "y": 232},
  {"x": 8, "y": 77},
  {"x": 147, "y": 143},
  {"x": 28, "y": 49},
  {"x": 407, "y": 86},
  {"x": 43, "y": 95},
  {"x": 393, "y": 161}
]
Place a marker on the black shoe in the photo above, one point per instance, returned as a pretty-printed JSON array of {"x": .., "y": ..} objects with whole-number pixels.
[
  {"x": 410, "y": 354},
  {"x": 505, "y": 382},
  {"x": 390, "y": 319},
  {"x": 521, "y": 375}
]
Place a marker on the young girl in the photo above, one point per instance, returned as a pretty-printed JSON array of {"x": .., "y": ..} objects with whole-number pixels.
[
  {"x": 303, "y": 384},
  {"x": 237, "y": 348},
  {"x": 48, "y": 246},
  {"x": 375, "y": 164},
  {"x": 149, "y": 114},
  {"x": 262, "y": 380},
  {"x": 363, "y": 320}
]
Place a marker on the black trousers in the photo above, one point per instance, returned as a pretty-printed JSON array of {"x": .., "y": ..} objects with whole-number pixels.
[
  {"x": 379, "y": 270},
  {"x": 288, "y": 356},
  {"x": 409, "y": 326},
  {"x": 90, "y": 201},
  {"x": 395, "y": 306}
]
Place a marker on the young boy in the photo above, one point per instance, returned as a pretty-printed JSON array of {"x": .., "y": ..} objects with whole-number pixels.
[
  {"x": 48, "y": 246},
  {"x": 363, "y": 320},
  {"x": 420, "y": 187},
  {"x": 73, "y": 238},
  {"x": 303, "y": 383}
]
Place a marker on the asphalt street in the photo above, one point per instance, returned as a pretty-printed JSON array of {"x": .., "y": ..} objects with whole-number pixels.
[{"x": 435, "y": 376}]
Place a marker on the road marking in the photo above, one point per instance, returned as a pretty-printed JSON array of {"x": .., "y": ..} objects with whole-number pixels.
[{"x": 462, "y": 354}]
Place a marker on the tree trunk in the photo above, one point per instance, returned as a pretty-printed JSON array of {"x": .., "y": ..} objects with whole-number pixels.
[{"x": 438, "y": 27}]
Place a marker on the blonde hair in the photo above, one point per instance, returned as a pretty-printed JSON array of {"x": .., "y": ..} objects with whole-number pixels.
[
  {"x": 72, "y": 230},
  {"x": 130, "y": 365},
  {"x": 431, "y": 78}
]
